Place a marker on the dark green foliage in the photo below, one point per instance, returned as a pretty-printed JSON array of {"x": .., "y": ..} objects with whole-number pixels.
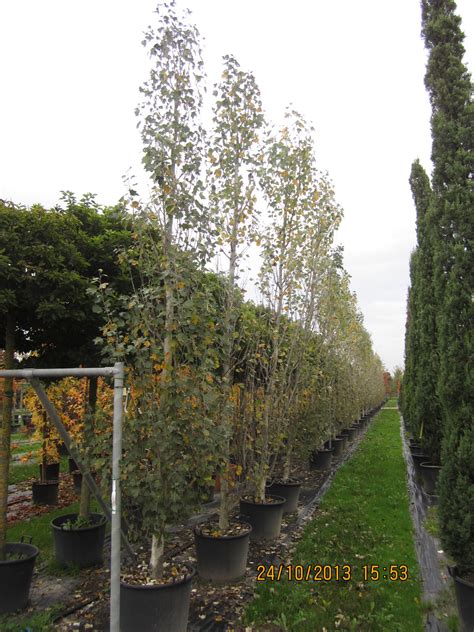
[
  {"x": 411, "y": 353},
  {"x": 48, "y": 259},
  {"x": 40, "y": 271},
  {"x": 456, "y": 514},
  {"x": 100, "y": 235},
  {"x": 422, "y": 406},
  {"x": 451, "y": 222}
]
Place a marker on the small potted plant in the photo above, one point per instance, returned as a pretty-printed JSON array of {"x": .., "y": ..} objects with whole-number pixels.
[
  {"x": 45, "y": 490},
  {"x": 80, "y": 417},
  {"x": 79, "y": 537}
]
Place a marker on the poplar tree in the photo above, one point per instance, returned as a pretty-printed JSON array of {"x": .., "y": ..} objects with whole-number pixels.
[
  {"x": 289, "y": 184},
  {"x": 169, "y": 316},
  {"x": 450, "y": 89},
  {"x": 233, "y": 156}
]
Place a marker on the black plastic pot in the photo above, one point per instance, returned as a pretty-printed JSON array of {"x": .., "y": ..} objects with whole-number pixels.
[
  {"x": 72, "y": 465},
  {"x": 414, "y": 446},
  {"x": 321, "y": 460},
  {"x": 15, "y": 576},
  {"x": 79, "y": 547},
  {"x": 265, "y": 518},
  {"x": 338, "y": 445},
  {"x": 345, "y": 439},
  {"x": 222, "y": 558},
  {"x": 290, "y": 491},
  {"x": 45, "y": 493},
  {"x": 52, "y": 471},
  {"x": 418, "y": 458},
  {"x": 465, "y": 597},
  {"x": 429, "y": 475},
  {"x": 163, "y": 608},
  {"x": 351, "y": 434}
]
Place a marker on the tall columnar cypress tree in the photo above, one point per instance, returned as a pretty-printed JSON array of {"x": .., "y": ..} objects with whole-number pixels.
[
  {"x": 411, "y": 351},
  {"x": 450, "y": 89},
  {"x": 426, "y": 413}
]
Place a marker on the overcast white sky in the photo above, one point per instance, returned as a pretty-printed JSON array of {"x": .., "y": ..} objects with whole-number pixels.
[{"x": 70, "y": 73}]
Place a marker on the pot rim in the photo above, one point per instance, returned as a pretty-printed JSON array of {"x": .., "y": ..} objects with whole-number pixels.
[
  {"x": 99, "y": 523},
  {"x": 265, "y": 504},
  {"x": 277, "y": 481},
  {"x": 453, "y": 571},
  {"x": 224, "y": 537},
  {"x": 34, "y": 552},
  {"x": 428, "y": 464},
  {"x": 185, "y": 580}
]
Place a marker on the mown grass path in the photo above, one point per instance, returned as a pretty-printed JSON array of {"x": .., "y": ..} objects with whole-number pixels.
[{"x": 363, "y": 520}]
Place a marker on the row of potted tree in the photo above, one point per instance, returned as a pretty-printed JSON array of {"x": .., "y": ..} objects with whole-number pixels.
[
  {"x": 437, "y": 387},
  {"x": 212, "y": 377},
  {"x": 216, "y": 384}
]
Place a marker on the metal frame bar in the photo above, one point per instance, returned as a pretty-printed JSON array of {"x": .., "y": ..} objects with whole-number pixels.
[{"x": 113, "y": 514}]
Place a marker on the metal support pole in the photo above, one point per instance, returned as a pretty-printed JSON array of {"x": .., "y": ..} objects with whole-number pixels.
[
  {"x": 113, "y": 514},
  {"x": 115, "y": 500},
  {"x": 63, "y": 433},
  {"x": 29, "y": 373}
]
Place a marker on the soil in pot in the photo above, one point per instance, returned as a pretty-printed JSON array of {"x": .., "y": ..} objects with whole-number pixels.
[
  {"x": 429, "y": 475},
  {"x": 321, "y": 460},
  {"x": 289, "y": 490},
  {"x": 265, "y": 518},
  {"x": 45, "y": 493},
  {"x": 52, "y": 471},
  {"x": 156, "y": 607},
  {"x": 76, "y": 544},
  {"x": 222, "y": 555},
  {"x": 15, "y": 576}
]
